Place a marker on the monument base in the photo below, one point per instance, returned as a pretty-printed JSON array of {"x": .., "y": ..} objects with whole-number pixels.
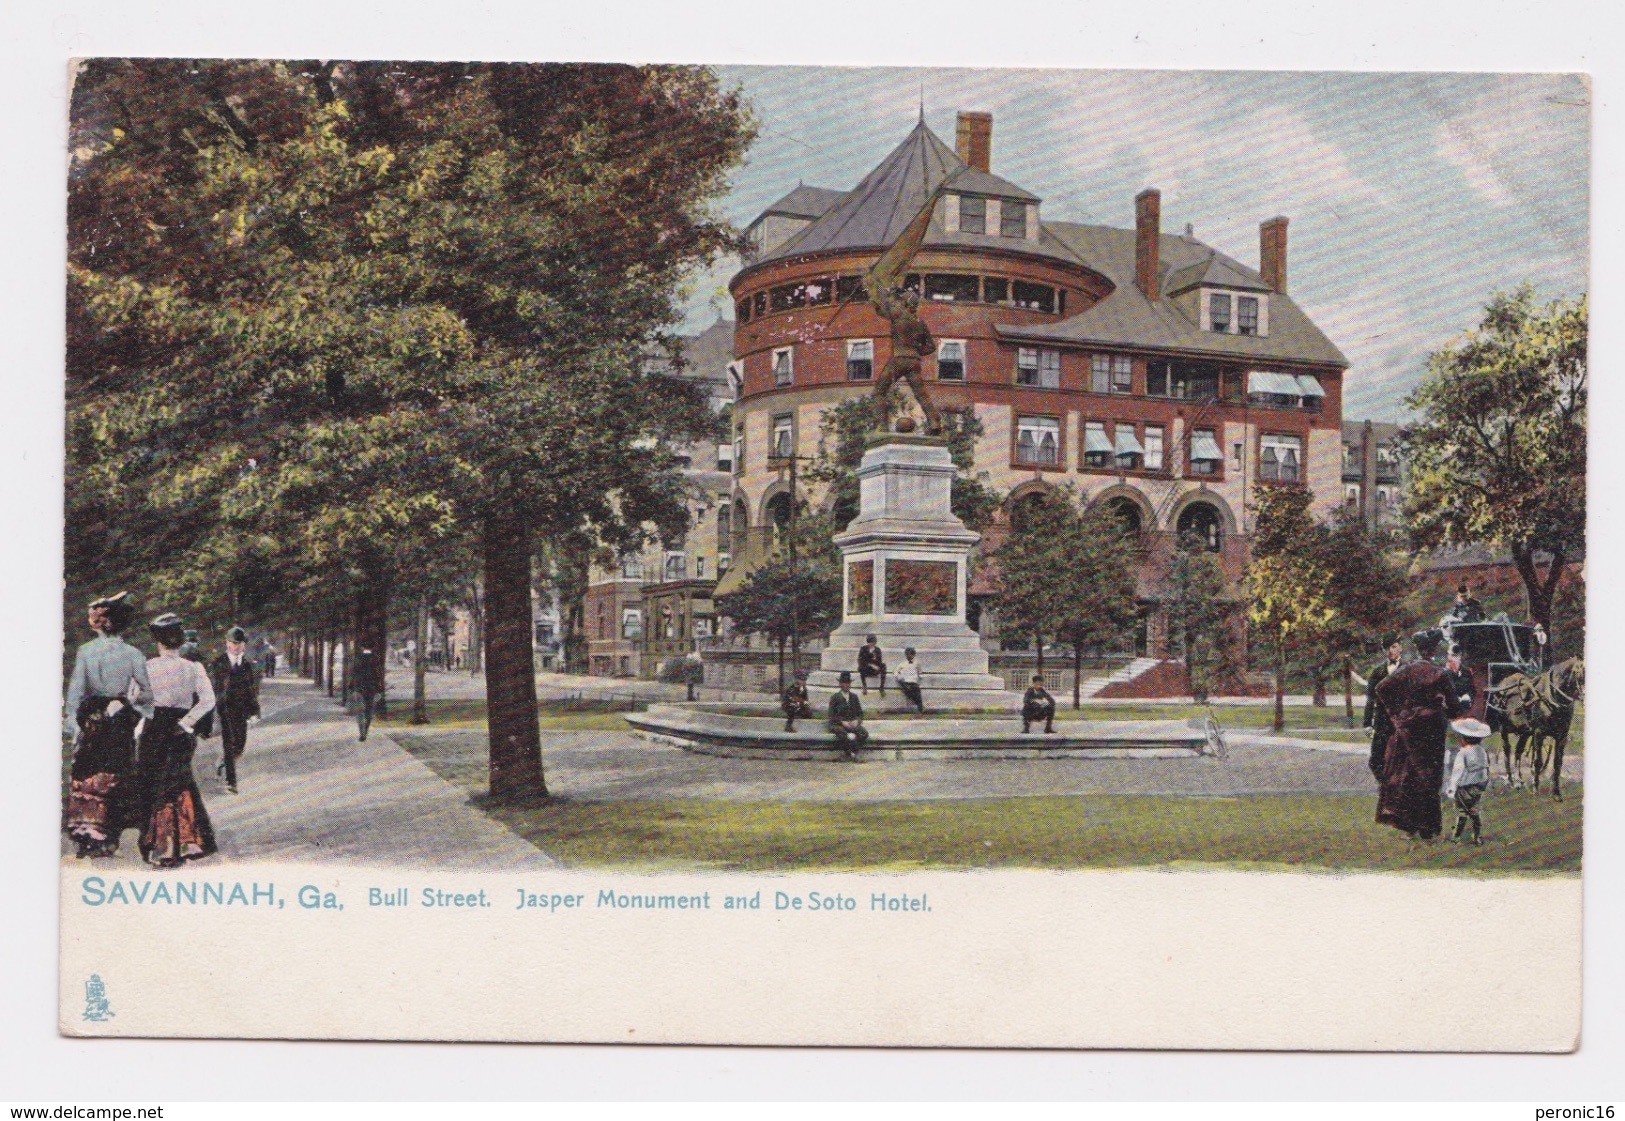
[{"x": 954, "y": 673}]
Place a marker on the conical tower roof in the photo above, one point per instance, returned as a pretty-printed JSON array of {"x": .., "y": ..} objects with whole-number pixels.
[{"x": 873, "y": 214}]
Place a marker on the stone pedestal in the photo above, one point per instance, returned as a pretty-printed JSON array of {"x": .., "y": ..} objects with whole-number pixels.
[{"x": 904, "y": 559}]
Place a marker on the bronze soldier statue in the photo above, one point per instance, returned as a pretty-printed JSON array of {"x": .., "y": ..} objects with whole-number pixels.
[
  {"x": 910, "y": 338},
  {"x": 910, "y": 341}
]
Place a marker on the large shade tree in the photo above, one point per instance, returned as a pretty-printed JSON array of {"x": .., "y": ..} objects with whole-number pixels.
[
  {"x": 1497, "y": 455},
  {"x": 324, "y": 316}
]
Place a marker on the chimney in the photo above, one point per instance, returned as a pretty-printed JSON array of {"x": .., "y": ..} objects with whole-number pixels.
[
  {"x": 1147, "y": 231},
  {"x": 973, "y": 140},
  {"x": 1272, "y": 253}
]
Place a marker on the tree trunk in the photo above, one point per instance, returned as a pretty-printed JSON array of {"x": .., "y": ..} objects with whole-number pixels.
[
  {"x": 510, "y": 662},
  {"x": 372, "y": 619},
  {"x": 1538, "y": 592},
  {"x": 349, "y": 660},
  {"x": 476, "y": 631},
  {"x": 332, "y": 650},
  {"x": 1320, "y": 688},
  {"x": 1038, "y": 645},
  {"x": 781, "y": 667},
  {"x": 420, "y": 666},
  {"x": 1077, "y": 676},
  {"x": 1280, "y": 693},
  {"x": 316, "y": 664},
  {"x": 1348, "y": 690}
]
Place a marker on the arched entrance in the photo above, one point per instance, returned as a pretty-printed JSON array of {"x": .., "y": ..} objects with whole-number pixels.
[{"x": 1201, "y": 520}]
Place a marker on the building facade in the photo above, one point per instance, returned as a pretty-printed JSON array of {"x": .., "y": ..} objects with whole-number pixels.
[
  {"x": 1373, "y": 472},
  {"x": 1150, "y": 371},
  {"x": 648, "y": 608}
]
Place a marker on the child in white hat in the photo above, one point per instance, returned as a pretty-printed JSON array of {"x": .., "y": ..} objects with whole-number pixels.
[{"x": 1469, "y": 776}]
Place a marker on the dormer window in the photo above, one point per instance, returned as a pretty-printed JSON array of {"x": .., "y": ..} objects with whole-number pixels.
[
  {"x": 1247, "y": 315},
  {"x": 972, "y": 215},
  {"x": 1234, "y": 313},
  {"x": 1012, "y": 219}
]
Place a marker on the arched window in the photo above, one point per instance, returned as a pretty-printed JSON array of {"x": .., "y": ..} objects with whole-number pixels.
[
  {"x": 778, "y": 513},
  {"x": 1127, "y": 513},
  {"x": 1025, "y": 504},
  {"x": 1202, "y": 521}
]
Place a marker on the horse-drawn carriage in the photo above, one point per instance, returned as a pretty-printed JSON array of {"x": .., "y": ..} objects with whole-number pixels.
[{"x": 1516, "y": 695}]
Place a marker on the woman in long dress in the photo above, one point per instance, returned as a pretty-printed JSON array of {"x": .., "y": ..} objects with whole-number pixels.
[
  {"x": 1421, "y": 699},
  {"x": 175, "y": 826},
  {"x": 107, "y": 694}
]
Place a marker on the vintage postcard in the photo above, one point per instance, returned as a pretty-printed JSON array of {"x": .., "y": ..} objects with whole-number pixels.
[{"x": 828, "y": 556}]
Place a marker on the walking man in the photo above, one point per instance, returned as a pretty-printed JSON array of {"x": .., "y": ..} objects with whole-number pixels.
[
  {"x": 236, "y": 680},
  {"x": 846, "y": 718},
  {"x": 368, "y": 681}
]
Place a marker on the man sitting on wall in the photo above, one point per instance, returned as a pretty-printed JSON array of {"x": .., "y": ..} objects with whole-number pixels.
[
  {"x": 846, "y": 718},
  {"x": 794, "y": 702},
  {"x": 1036, "y": 705},
  {"x": 871, "y": 663}
]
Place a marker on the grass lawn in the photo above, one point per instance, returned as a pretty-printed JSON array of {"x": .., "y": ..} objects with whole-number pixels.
[{"x": 1525, "y": 834}]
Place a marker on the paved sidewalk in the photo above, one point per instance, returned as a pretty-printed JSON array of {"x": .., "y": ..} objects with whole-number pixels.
[{"x": 312, "y": 792}]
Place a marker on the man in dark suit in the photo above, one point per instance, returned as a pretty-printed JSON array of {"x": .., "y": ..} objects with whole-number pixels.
[
  {"x": 368, "y": 682},
  {"x": 236, "y": 680},
  {"x": 1376, "y": 716},
  {"x": 794, "y": 702},
  {"x": 846, "y": 718}
]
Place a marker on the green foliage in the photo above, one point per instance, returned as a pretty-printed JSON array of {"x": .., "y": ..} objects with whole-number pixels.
[
  {"x": 843, "y": 434},
  {"x": 1066, "y": 574},
  {"x": 782, "y": 600},
  {"x": 325, "y": 318},
  {"x": 1198, "y": 609},
  {"x": 1498, "y": 455},
  {"x": 682, "y": 671},
  {"x": 1289, "y": 583}
]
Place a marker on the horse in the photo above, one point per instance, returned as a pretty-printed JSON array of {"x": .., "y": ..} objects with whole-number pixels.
[{"x": 1535, "y": 708}]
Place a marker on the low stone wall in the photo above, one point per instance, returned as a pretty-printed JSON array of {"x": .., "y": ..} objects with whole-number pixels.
[
  {"x": 1169, "y": 680},
  {"x": 752, "y": 670},
  {"x": 1017, "y": 667}
]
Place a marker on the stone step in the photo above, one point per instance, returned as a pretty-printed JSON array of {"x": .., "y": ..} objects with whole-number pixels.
[
  {"x": 931, "y": 662},
  {"x": 912, "y": 628}
]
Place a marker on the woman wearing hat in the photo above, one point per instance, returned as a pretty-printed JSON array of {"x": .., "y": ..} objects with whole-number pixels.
[
  {"x": 107, "y": 694},
  {"x": 1420, "y": 700},
  {"x": 175, "y": 827}
]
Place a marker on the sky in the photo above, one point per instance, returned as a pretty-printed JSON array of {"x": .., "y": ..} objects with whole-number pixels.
[{"x": 1412, "y": 197}]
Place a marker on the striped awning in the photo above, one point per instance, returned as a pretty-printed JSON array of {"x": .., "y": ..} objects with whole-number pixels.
[
  {"x": 1094, "y": 440},
  {"x": 1203, "y": 446},
  {"x": 1309, "y": 385},
  {"x": 1127, "y": 443},
  {"x": 1279, "y": 385}
]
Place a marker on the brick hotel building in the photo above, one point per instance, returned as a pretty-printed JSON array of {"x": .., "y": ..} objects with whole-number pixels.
[{"x": 1150, "y": 370}]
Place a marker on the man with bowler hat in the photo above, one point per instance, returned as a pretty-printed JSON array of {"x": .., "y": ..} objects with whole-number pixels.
[
  {"x": 846, "y": 718},
  {"x": 236, "y": 680}
]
